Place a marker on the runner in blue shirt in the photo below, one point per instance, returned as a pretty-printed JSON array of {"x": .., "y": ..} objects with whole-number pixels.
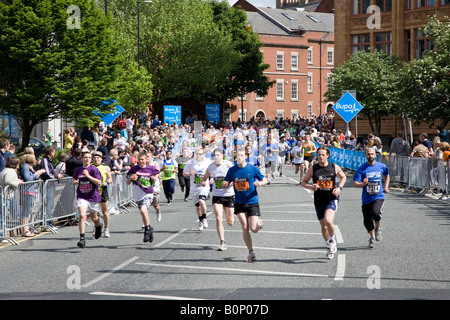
[
  {"x": 369, "y": 177},
  {"x": 246, "y": 178}
]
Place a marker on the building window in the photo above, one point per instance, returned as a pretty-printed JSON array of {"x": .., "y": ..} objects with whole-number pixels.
[
  {"x": 361, "y": 43},
  {"x": 445, "y": 2},
  {"x": 408, "y": 4},
  {"x": 258, "y": 97},
  {"x": 330, "y": 56},
  {"x": 310, "y": 55},
  {"x": 422, "y": 44},
  {"x": 425, "y": 3},
  {"x": 310, "y": 109},
  {"x": 280, "y": 90},
  {"x": 294, "y": 61},
  {"x": 280, "y": 114},
  {"x": 294, "y": 90},
  {"x": 384, "y": 5},
  {"x": 280, "y": 60},
  {"x": 383, "y": 42},
  {"x": 243, "y": 117},
  {"x": 294, "y": 114},
  {"x": 408, "y": 45},
  {"x": 310, "y": 82},
  {"x": 360, "y": 6}
]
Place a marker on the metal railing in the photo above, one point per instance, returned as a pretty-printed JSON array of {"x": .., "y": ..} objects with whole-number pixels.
[{"x": 38, "y": 205}]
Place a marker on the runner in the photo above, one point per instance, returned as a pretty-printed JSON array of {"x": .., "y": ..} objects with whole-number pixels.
[
  {"x": 88, "y": 178},
  {"x": 143, "y": 176},
  {"x": 326, "y": 194},
  {"x": 223, "y": 198},
  {"x": 195, "y": 169},
  {"x": 156, "y": 184},
  {"x": 169, "y": 170},
  {"x": 184, "y": 182},
  {"x": 308, "y": 148},
  {"x": 246, "y": 178},
  {"x": 297, "y": 158},
  {"x": 103, "y": 188},
  {"x": 369, "y": 177}
]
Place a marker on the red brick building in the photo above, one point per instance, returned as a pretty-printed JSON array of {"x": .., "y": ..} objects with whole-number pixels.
[{"x": 299, "y": 47}]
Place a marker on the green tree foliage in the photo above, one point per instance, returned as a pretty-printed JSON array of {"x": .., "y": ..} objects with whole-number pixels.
[
  {"x": 49, "y": 66},
  {"x": 374, "y": 77},
  {"x": 424, "y": 85}
]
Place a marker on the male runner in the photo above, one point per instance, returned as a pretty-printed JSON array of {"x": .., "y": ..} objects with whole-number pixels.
[
  {"x": 103, "y": 188},
  {"x": 308, "y": 148},
  {"x": 196, "y": 169},
  {"x": 143, "y": 176},
  {"x": 156, "y": 184},
  {"x": 326, "y": 194},
  {"x": 169, "y": 171},
  {"x": 88, "y": 178},
  {"x": 246, "y": 178},
  {"x": 369, "y": 177},
  {"x": 223, "y": 198},
  {"x": 297, "y": 158}
]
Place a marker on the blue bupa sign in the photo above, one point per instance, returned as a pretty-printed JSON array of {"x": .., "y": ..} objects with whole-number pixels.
[
  {"x": 110, "y": 117},
  {"x": 172, "y": 114},
  {"x": 213, "y": 112},
  {"x": 347, "y": 107}
]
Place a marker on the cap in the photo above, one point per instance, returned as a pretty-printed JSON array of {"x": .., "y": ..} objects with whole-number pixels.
[{"x": 97, "y": 153}]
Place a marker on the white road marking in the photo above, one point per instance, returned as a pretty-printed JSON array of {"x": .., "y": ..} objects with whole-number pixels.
[
  {"x": 340, "y": 271},
  {"x": 170, "y": 238},
  {"x": 233, "y": 270},
  {"x": 103, "y": 276},
  {"x": 135, "y": 295}
]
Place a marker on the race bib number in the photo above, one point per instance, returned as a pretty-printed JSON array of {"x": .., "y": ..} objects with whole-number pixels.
[
  {"x": 325, "y": 184},
  {"x": 218, "y": 182},
  {"x": 198, "y": 178},
  {"x": 373, "y": 188},
  {"x": 241, "y": 184},
  {"x": 168, "y": 173}
]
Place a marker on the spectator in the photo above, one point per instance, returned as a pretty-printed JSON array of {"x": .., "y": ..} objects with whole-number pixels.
[
  {"x": 443, "y": 134},
  {"x": 68, "y": 139},
  {"x": 76, "y": 144},
  {"x": 399, "y": 146},
  {"x": 423, "y": 137},
  {"x": 61, "y": 167},
  {"x": 9, "y": 178},
  {"x": 73, "y": 162},
  {"x": 88, "y": 135},
  {"x": 4, "y": 146},
  {"x": 156, "y": 122},
  {"x": 31, "y": 193},
  {"x": 48, "y": 137},
  {"x": 420, "y": 151},
  {"x": 11, "y": 151},
  {"x": 445, "y": 147}
]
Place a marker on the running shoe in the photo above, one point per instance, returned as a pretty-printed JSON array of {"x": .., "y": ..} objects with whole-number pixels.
[
  {"x": 371, "y": 242},
  {"x": 107, "y": 235},
  {"x": 251, "y": 257},
  {"x": 98, "y": 231},
  {"x": 158, "y": 217},
  {"x": 330, "y": 255},
  {"x": 148, "y": 235},
  {"x": 378, "y": 235},
  {"x": 200, "y": 226},
  {"x": 332, "y": 246},
  {"x": 260, "y": 224},
  {"x": 81, "y": 243},
  {"x": 205, "y": 223},
  {"x": 222, "y": 246}
]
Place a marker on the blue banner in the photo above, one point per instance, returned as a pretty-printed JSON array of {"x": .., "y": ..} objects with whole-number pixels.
[
  {"x": 213, "y": 112},
  {"x": 110, "y": 117},
  {"x": 172, "y": 114}
]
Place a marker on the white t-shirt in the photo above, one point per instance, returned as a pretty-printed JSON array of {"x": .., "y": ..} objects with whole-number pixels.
[
  {"x": 219, "y": 173},
  {"x": 200, "y": 169},
  {"x": 297, "y": 151}
]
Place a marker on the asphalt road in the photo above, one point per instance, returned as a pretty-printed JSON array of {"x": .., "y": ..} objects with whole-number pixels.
[{"x": 411, "y": 262}]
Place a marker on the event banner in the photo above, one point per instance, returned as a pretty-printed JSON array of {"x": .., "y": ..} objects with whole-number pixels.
[
  {"x": 213, "y": 112},
  {"x": 172, "y": 114}
]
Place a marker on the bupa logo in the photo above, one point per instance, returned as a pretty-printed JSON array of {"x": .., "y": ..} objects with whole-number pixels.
[{"x": 347, "y": 107}]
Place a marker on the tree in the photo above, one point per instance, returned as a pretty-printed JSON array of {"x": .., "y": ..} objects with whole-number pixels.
[
  {"x": 58, "y": 58},
  {"x": 374, "y": 76},
  {"x": 248, "y": 73},
  {"x": 424, "y": 85}
]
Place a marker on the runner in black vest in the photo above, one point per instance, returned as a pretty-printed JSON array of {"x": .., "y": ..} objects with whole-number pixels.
[{"x": 326, "y": 194}]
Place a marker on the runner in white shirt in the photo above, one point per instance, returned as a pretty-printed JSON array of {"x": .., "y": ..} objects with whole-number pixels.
[
  {"x": 297, "y": 158},
  {"x": 196, "y": 169},
  {"x": 223, "y": 198}
]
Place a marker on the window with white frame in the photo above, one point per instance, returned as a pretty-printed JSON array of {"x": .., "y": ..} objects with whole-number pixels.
[
  {"x": 258, "y": 97},
  {"x": 294, "y": 114},
  {"x": 310, "y": 82},
  {"x": 294, "y": 90},
  {"x": 280, "y": 114},
  {"x": 280, "y": 60},
  {"x": 243, "y": 117},
  {"x": 330, "y": 56},
  {"x": 310, "y": 55},
  {"x": 294, "y": 61},
  {"x": 310, "y": 109},
  {"x": 280, "y": 90}
]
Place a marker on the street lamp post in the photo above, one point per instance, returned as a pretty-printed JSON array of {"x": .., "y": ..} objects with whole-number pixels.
[{"x": 138, "y": 33}]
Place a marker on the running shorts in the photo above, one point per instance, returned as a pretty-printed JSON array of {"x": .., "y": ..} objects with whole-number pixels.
[
  {"x": 320, "y": 209},
  {"x": 227, "y": 202},
  {"x": 249, "y": 209}
]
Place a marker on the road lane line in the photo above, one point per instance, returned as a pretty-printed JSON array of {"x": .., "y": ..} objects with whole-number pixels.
[
  {"x": 170, "y": 238},
  {"x": 244, "y": 247},
  {"x": 265, "y": 231},
  {"x": 103, "y": 276},
  {"x": 233, "y": 270},
  {"x": 148, "y": 296},
  {"x": 338, "y": 234},
  {"x": 340, "y": 271}
]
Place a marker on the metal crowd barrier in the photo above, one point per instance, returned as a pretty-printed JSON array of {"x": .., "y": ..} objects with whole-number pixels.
[{"x": 38, "y": 205}]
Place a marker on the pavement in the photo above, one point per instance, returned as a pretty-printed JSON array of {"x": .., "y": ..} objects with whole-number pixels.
[{"x": 410, "y": 263}]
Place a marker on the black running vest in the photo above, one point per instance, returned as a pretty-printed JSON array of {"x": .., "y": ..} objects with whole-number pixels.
[{"x": 325, "y": 177}]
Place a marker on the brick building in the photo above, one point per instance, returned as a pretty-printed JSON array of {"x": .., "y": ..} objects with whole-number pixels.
[{"x": 299, "y": 47}]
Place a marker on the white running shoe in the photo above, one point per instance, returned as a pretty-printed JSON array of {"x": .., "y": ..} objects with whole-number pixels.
[
  {"x": 200, "y": 226},
  {"x": 205, "y": 223},
  {"x": 378, "y": 235},
  {"x": 222, "y": 246},
  {"x": 332, "y": 246},
  {"x": 107, "y": 235},
  {"x": 158, "y": 217}
]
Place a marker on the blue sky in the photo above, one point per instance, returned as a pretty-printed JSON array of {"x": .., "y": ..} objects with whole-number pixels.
[{"x": 258, "y": 3}]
